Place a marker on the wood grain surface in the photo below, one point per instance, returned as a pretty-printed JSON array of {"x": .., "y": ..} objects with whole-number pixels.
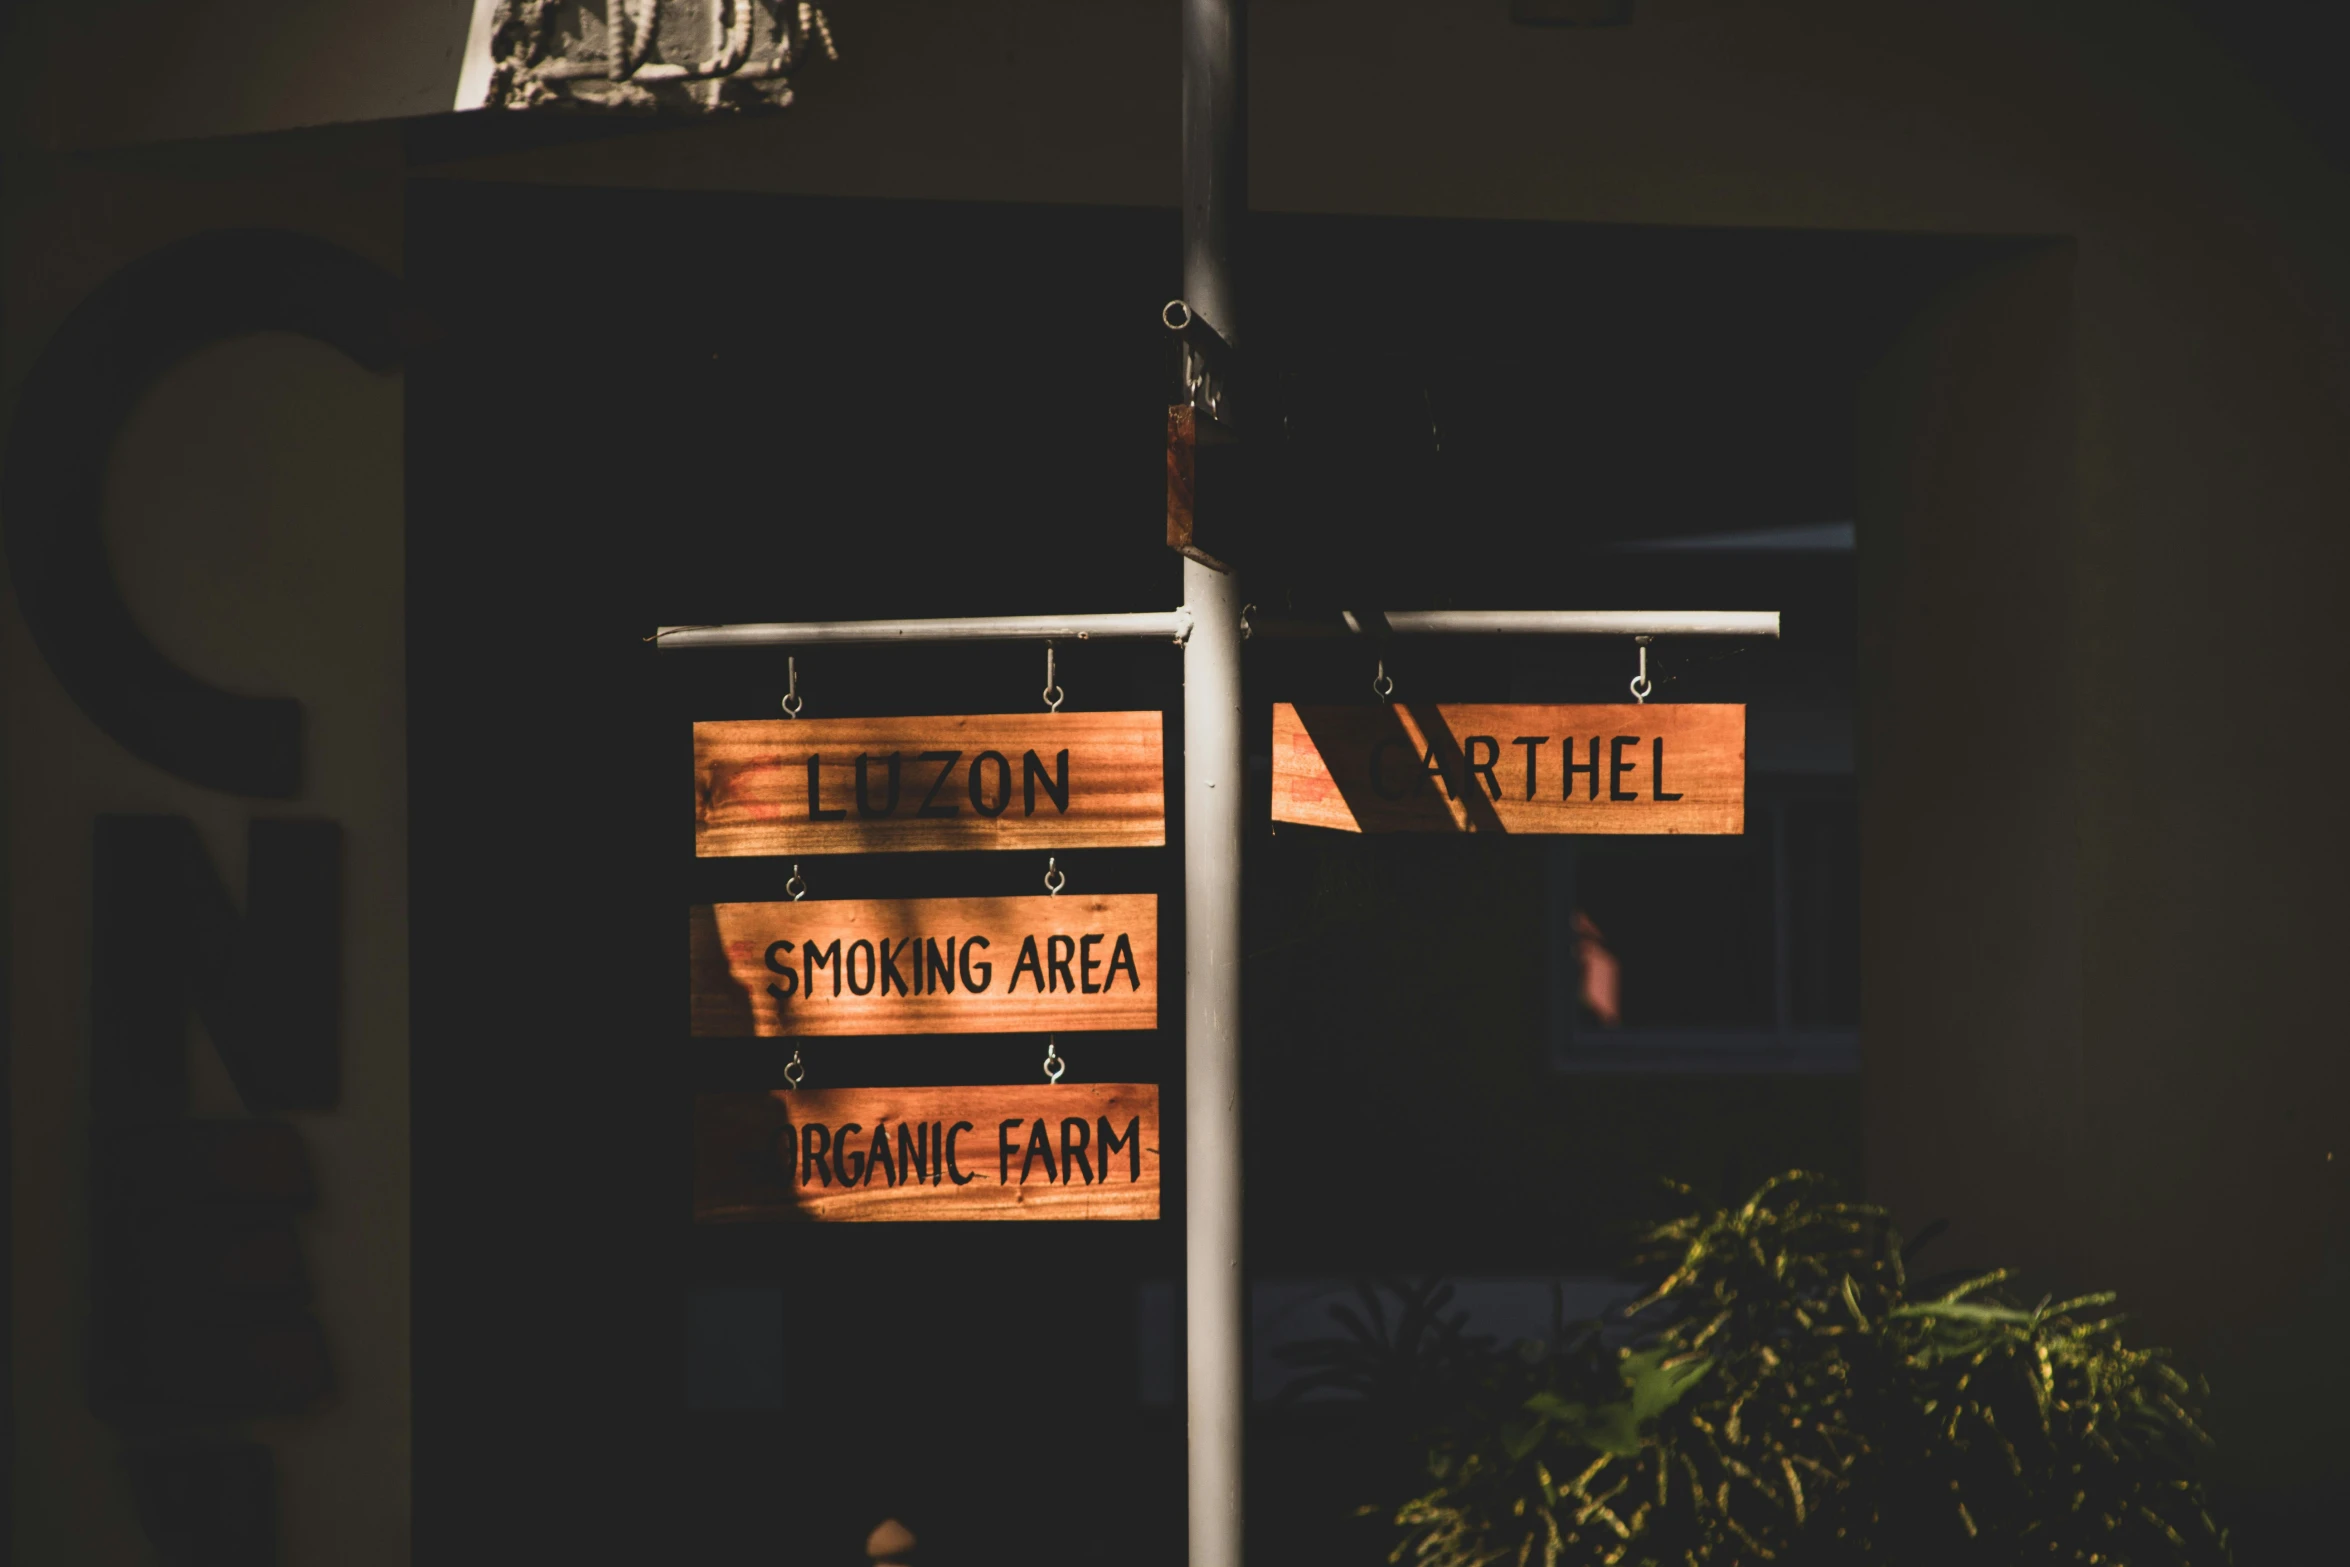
[
  {"x": 1660, "y": 767},
  {"x": 1018, "y": 1152},
  {"x": 963, "y": 781},
  {"x": 926, "y": 965}
]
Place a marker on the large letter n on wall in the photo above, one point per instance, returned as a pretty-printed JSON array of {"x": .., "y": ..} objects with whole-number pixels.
[
  {"x": 267, "y": 983},
  {"x": 199, "y": 1300}
]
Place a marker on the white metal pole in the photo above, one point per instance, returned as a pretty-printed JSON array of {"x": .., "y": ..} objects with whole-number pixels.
[
  {"x": 1215, "y": 1291},
  {"x": 1215, "y": 1295}
]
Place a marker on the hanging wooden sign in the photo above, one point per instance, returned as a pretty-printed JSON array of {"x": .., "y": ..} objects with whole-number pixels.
[
  {"x": 926, "y": 966},
  {"x": 868, "y": 785},
  {"x": 835, "y": 1155},
  {"x": 1504, "y": 768}
]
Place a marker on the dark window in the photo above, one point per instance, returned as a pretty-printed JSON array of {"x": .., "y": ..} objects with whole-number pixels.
[
  {"x": 1823, "y": 909},
  {"x": 1731, "y": 954},
  {"x": 1675, "y": 934}
]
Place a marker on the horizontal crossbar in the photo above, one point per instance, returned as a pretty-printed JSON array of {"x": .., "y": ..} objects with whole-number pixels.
[{"x": 1175, "y": 626}]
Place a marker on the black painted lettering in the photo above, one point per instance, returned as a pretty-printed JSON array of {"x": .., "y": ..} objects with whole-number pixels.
[
  {"x": 1003, "y": 1151},
  {"x": 1530, "y": 742},
  {"x": 1656, "y": 771},
  {"x": 1073, "y": 1154},
  {"x": 1058, "y": 950},
  {"x": 1617, "y": 767},
  {"x": 1109, "y": 1142},
  {"x": 1087, "y": 963},
  {"x": 1056, "y": 789},
  {"x": 790, "y": 972},
  {"x": 813, "y": 958},
  {"x": 889, "y": 966},
  {"x": 1483, "y": 769},
  {"x": 816, "y": 1152},
  {"x": 1589, "y": 769},
  {"x": 1003, "y": 783},
  {"x": 954, "y": 1170},
  {"x": 938, "y": 1154},
  {"x": 914, "y": 1152},
  {"x": 1122, "y": 957},
  {"x": 946, "y": 766},
  {"x": 1378, "y": 776},
  {"x": 1040, "y": 1146},
  {"x": 971, "y": 944},
  {"x": 865, "y": 810},
  {"x": 879, "y": 1158},
  {"x": 934, "y": 971},
  {"x": 1029, "y": 964},
  {"x": 866, "y": 947},
  {"x": 1432, "y": 766},
  {"x": 816, "y": 810},
  {"x": 842, "y": 1154}
]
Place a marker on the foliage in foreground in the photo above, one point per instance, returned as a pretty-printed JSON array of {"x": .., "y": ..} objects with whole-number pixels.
[{"x": 1785, "y": 1394}]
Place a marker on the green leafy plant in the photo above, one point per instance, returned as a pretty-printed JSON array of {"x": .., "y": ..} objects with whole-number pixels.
[{"x": 1785, "y": 1393}]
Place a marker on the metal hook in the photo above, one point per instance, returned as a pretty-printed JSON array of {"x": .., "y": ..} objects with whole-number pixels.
[
  {"x": 1054, "y": 1064},
  {"x": 794, "y": 886},
  {"x": 1641, "y": 684},
  {"x": 1054, "y": 880},
  {"x": 1381, "y": 685},
  {"x": 791, "y": 698},
  {"x": 1052, "y": 687},
  {"x": 793, "y": 1071}
]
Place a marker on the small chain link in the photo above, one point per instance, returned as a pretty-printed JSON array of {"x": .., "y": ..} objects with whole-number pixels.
[
  {"x": 795, "y": 887},
  {"x": 1641, "y": 684},
  {"x": 1054, "y": 1065},
  {"x": 791, "y": 697},
  {"x": 1054, "y": 879},
  {"x": 793, "y": 1071},
  {"x": 1382, "y": 684}
]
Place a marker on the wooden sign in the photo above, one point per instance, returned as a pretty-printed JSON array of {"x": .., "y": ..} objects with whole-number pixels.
[
  {"x": 1462, "y": 767},
  {"x": 926, "y": 966},
  {"x": 866, "y": 785},
  {"x": 834, "y": 1155}
]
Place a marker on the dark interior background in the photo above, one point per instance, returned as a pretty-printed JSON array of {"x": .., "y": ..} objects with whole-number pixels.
[{"x": 657, "y": 408}]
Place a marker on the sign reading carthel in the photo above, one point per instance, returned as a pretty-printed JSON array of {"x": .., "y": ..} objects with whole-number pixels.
[
  {"x": 1508, "y": 768},
  {"x": 926, "y": 965},
  {"x": 866, "y": 785},
  {"x": 1040, "y": 1151}
]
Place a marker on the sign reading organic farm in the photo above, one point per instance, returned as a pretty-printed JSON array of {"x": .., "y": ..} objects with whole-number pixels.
[
  {"x": 926, "y": 965},
  {"x": 1494, "y": 768},
  {"x": 862, "y": 785},
  {"x": 1040, "y": 1151}
]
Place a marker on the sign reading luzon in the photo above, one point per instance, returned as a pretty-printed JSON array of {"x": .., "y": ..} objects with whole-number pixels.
[
  {"x": 926, "y": 965},
  {"x": 1507, "y": 768},
  {"x": 1041, "y": 1151},
  {"x": 864, "y": 785}
]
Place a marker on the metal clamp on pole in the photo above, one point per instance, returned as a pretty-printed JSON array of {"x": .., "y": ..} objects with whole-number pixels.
[
  {"x": 1204, "y": 458},
  {"x": 1205, "y": 377}
]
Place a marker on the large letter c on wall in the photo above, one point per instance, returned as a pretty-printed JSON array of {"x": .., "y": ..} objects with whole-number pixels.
[{"x": 140, "y": 322}]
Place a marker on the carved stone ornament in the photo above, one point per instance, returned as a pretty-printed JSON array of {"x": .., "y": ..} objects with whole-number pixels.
[{"x": 692, "y": 55}]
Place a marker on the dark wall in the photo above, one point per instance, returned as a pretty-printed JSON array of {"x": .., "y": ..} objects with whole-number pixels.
[{"x": 654, "y": 409}]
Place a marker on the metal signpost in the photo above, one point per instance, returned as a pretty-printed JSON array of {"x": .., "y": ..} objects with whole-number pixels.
[{"x": 1210, "y": 627}]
